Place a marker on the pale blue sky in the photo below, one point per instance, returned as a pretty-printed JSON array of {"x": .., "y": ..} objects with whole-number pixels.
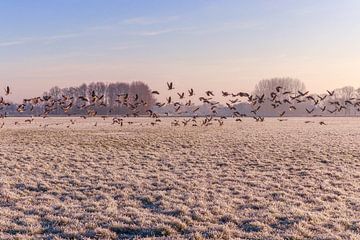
[{"x": 228, "y": 44}]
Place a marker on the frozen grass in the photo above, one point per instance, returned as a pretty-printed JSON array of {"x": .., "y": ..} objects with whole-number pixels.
[{"x": 271, "y": 180}]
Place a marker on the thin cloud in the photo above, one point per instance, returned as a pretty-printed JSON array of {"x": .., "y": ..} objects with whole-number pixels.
[
  {"x": 229, "y": 27},
  {"x": 126, "y": 47},
  {"x": 11, "y": 43},
  {"x": 91, "y": 30},
  {"x": 43, "y": 40},
  {"x": 59, "y": 37},
  {"x": 149, "y": 21},
  {"x": 201, "y": 30},
  {"x": 163, "y": 31}
]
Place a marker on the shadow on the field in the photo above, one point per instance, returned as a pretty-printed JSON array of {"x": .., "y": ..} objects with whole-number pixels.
[{"x": 131, "y": 232}]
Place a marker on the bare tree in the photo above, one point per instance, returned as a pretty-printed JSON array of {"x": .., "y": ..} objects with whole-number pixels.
[
  {"x": 343, "y": 94},
  {"x": 111, "y": 93},
  {"x": 267, "y": 86}
]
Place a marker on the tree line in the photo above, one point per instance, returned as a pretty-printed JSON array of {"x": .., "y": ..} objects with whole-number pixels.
[
  {"x": 343, "y": 101},
  {"x": 348, "y": 97},
  {"x": 108, "y": 93},
  {"x": 110, "y": 101}
]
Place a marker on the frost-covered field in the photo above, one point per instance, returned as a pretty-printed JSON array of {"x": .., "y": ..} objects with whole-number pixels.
[{"x": 248, "y": 180}]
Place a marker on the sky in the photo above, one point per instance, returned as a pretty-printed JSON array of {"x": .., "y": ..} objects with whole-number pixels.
[{"x": 218, "y": 45}]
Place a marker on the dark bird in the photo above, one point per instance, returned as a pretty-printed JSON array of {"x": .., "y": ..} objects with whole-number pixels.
[
  {"x": 243, "y": 94},
  {"x": 225, "y": 94},
  {"x": 7, "y": 90},
  {"x": 286, "y": 101},
  {"x": 341, "y": 108},
  {"x": 196, "y": 109},
  {"x": 170, "y": 85},
  {"x": 255, "y": 110},
  {"x": 181, "y": 95},
  {"x": 322, "y": 98},
  {"x": 259, "y": 119},
  {"x": 309, "y": 111},
  {"x": 168, "y": 99},
  {"x": 150, "y": 112},
  {"x": 21, "y": 108},
  {"x": 191, "y": 92},
  {"x": 231, "y": 107},
  {"x": 261, "y": 98},
  {"x": 303, "y": 94},
  {"x": 278, "y": 88},
  {"x": 29, "y": 120},
  {"x": 160, "y": 104},
  {"x": 83, "y": 98},
  {"x": 348, "y": 102},
  {"x": 209, "y": 93},
  {"x": 331, "y": 93},
  {"x": 332, "y": 111}
]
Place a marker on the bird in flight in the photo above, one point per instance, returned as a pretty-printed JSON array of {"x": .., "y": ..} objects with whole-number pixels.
[
  {"x": 170, "y": 85},
  {"x": 7, "y": 90},
  {"x": 331, "y": 93}
]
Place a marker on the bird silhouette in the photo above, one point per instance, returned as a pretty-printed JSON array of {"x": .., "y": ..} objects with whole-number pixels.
[
  {"x": 170, "y": 85},
  {"x": 7, "y": 90},
  {"x": 191, "y": 92},
  {"x": 331, "y": 93}
]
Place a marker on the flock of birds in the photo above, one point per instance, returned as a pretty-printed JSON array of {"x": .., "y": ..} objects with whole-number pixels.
[{"x": 184, "y": 105}]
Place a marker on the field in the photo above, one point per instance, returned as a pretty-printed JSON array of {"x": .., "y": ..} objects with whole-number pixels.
[{"x": 244, "y": 180}]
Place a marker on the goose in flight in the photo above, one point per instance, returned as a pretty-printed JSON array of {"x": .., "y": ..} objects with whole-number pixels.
[
  {"x": 170, "y": 85},
  {"x": 331, "y": 93},
  {"x": 191, "y": 92},
  {"x": 303, "y": 94},
  {"x": 29, "y": 120},
  {"x": 168, "y": 99},
  {"x": 225, "y": 94},
  {"x": 322, "y": 98},
  {"x": 255, "y": 110},
  {"x": 309, "y": 111},
  {"x": 209, "y": 93},
  {"x": 21, "y": 108},
  {"x": 282, "y": 114},
  {"x": 292, "y": 108},
  {"x": 181, "y": 95},
  {"x": 7, "y": 90}
]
